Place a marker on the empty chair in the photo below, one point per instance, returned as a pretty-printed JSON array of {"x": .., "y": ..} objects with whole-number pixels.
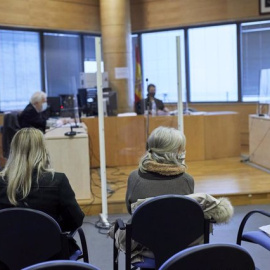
[
  {"x": 255, "y": 236},
  {"x": 62, "y": 265},
  {"x": 29, "y": 236},
  {"x": 211, "y": 256},
  {"x": 165, "y": 225}
]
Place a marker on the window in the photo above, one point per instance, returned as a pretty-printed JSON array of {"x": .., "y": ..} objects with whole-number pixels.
[
  {"x": 63, "y": 63},
  {"x": 213, "y": 64},
  {"x": 20, "y": 68},
  {"x": 255, "y": 60},
  {"x": 90, "y": 63},
  {"x": 159, "y": 64}
]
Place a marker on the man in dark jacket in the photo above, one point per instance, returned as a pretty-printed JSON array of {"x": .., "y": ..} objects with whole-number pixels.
[
  {"x": 146, "y": 104},
  {"x": 32, "y": 115}
]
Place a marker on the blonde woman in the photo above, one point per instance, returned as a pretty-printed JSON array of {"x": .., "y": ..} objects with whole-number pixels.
[
  {"x": 28, "y": 181},
  {"x": 161, "y": 170}
]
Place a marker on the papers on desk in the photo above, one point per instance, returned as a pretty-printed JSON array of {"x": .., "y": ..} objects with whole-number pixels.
[
  {"x": 58, "y": 122},
  {"x": 127, "y": 114},
  {"x": 175, "y": 112},
  {"x": 265, "y": 229},
  {"x": 51, "y": 122},
  {"x": 75, "y": 125}
]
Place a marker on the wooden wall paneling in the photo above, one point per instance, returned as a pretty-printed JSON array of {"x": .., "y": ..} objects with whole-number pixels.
[
  {"x": 84, "y": 15},
  {"x": 77, "y": 16},
  {"x": 222, "y": 135},
  {"x": 72, "y": 15},
  {"x": 160, "y": 14}
]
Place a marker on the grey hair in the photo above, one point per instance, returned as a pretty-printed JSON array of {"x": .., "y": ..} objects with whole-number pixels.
[
  {"x": 28, "y": 154},
  {"x": 164, "y": 145},
  {"x": 37, "y": 97}
]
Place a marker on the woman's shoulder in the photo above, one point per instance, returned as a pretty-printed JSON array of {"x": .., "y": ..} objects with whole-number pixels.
[
  {"x": 186, "y": 176},
  {"x": 55, "y": 177},
  {"x": 134, "y": 174}
]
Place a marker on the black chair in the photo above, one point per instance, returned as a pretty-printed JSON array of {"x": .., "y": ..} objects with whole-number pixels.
[
  {"x": 211, "y": 256},
  {"x": 29, "y": 236},
  {"x": 166, "y": 225},
  {"x": 61, "y": 265},
  {"x": 257, "y": 236},
  {"x": 9, "y": 128}
]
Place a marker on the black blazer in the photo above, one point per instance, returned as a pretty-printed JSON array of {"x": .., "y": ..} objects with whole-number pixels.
[
  {"x": 29, "y": 117},
  {"x": 52, "y": 196},
  {"x": 141, "y": 105}
]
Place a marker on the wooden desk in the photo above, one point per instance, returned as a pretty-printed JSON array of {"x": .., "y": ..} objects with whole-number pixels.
[
  {"x": 70, "y": 155},
  {"x": 221, "y": 135},
  {"x": 259, "y": 140},
  {"x": 194, "y": 141},
  {"x": 209, "y": 136},
  {"x": 125, "y": 140}
]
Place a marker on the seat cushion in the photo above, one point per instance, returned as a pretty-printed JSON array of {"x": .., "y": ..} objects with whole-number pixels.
[
  {"x": 147, "y": 263},
  {"x": 75, "y": 256},
  {"x": 257, "y": 237}
]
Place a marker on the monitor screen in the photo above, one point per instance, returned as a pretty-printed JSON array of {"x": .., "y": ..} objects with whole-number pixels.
[
  {"x": 111, "y": 101},
  {"x": 54, "y": 106},
  {"x": 88, "y": 101}
]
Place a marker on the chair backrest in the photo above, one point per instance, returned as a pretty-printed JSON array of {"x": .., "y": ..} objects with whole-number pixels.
[
  {"x": 167, "y": 224},
  {"x": 10, "y": 127},
  {"x": 29, "y": 236},
  {"x": 211, "y": 256},
  {"x": 62, "y": 265}
]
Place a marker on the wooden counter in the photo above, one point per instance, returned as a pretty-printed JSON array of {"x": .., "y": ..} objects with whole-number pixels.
[
  {"x": 70, "y": 155},
  {"x": 209, "y": 136},
  {"x": 259, "y": 140}
]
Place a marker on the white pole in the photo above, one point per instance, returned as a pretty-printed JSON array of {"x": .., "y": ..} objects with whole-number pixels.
[
  {"x": 104, "y": 214},
  {"x": 179, "y": 86}
]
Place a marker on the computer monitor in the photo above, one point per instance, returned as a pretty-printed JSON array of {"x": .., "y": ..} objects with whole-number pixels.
[
  {"x": 54, "y": 106},
  {"x": 111, "y": 101},
  {"x": 69, "y": 107},
  {"x": 87, "y": 101}
]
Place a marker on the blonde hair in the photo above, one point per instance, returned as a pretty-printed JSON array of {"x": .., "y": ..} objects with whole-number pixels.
[
  {"x": 164, "y": 145},
  {"x": 27, "y": 154}
]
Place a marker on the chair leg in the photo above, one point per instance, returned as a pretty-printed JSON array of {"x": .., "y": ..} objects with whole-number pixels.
[{"x": 84, "y": 245}]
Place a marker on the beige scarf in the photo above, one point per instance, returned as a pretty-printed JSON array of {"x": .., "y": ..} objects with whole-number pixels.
[{"x": 163, "y": 168}]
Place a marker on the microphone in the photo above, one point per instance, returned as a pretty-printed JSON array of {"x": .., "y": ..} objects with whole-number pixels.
[
  {"x": 71, "y": 133},
  {"x": 148, "y": 98},
  {"x": 148, "y": 101}
]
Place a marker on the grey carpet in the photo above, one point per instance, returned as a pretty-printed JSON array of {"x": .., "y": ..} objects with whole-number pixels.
[{"x": 101, "y": 247}]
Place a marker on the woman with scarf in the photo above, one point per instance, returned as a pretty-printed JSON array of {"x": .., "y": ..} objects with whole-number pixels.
[{"x": 161, "y": 170}]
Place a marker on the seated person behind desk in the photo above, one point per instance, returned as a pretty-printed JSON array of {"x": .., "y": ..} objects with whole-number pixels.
[
  {"x": 161, "y": 170},
  {"x": 32, "y": 115},
  {"x": 143, "y": 105},
  {"x": 29, "y": 181}
]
